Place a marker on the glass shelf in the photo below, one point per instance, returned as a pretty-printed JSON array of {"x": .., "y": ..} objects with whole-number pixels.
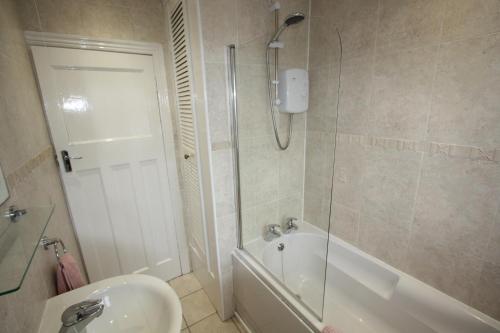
[{"x": 19, "y": 241}]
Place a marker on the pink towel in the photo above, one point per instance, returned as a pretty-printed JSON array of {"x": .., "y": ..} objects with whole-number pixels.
[
  {"x": 68, "y": 274},
  {"x": 329, "y": 329}
]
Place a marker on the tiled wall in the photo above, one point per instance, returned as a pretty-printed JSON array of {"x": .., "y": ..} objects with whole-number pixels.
[
  {"x": 271, "y": 179},
  {"x": 27, "y": 161},
  {"x": 140, "y": 20},
  {"x": 417, "y": 164}
]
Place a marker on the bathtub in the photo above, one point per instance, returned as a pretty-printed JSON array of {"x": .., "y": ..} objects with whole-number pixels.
[{"x": 362, "y": 293}]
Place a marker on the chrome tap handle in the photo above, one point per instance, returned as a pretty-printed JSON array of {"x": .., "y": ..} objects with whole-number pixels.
[
  {"x": 275, "y": 229},
  {"x": 290, "y": 225},
  {"x": 79, "y": 312},
  {"x": 272, "y": 231},
  {"x": 13, "y": 213}
]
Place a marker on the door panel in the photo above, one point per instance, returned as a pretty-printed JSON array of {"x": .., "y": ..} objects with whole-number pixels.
[
  {"x": 95, "y": 234},
  {"x": 102, "y": 107}
]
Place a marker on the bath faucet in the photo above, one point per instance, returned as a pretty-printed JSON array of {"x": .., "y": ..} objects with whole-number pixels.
[
  {"x": 78, "y": 316},
  {"x": 272, "y": 231},
  {"x": 290, "y": 225}
]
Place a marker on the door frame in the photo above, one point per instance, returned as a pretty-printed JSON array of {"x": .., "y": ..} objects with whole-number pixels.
[{"x": 156, "y": 51}]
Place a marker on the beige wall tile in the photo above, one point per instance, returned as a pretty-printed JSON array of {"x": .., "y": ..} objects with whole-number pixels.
[
  {"x": 291, "y": 167},
  {"x": 355, "y": 91},
  {"x": 148, "y": 24},
  {"x": 223, "y": 177},
  {"x": 466, "y": 99},
  {"x": 253, "y": 18},
  {"x": 487, "y": 294},
  {"x": 457, "y": 203},
  {"x": 28, "y": 15},
  {"x": 253, "y": 52},
  {"x": 469, "y": 18},
  {"x": 265, "y": 214},
  {"x": 418, "y": 94},
  {"x": 357, "y": 22},
  {"x": 253, "y": 111},
  {"x": 409, "y": 24},
  {"x": 315, "y": 210},
  {"x": 218, "y": 18},
  {"x": 322, "y": 112},
  {"x": 106, "y": 22},
  {"x": 324, "y": 45},
  {"x": 345, "y": 223},
  {"x": 226, "y": 225},
  {"x": 379, "y": 186},
  {"x": 349, "y": 169},
  {"x": 401, "y": 94},
  {"x": 318, "y": 177},
  {"x": 492, "y": 252},
  {"x": 453, "y": 273},
  {"x": 386, "y": 239},
  {"x": 63, "y": 16},
  {"x": 389, "y": 183},
  {"x": 250, "y": 229},
  {"x": 217, "y": 103},
  {"x": 290, "y": 207}
]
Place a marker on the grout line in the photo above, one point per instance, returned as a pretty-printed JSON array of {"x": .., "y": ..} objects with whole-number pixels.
[
  {"x": 202, "y": 319},
  {"x": 190, "y": 293},
  {"x": 413, "y": 211}
]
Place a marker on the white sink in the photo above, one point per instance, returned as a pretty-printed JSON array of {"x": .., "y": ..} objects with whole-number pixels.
[{"x": 133, "y": 303}]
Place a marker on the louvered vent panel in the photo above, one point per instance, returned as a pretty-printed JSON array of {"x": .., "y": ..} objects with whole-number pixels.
[
  {"x": 183, "y": 88},
  {"x": 182, "y": 79}
]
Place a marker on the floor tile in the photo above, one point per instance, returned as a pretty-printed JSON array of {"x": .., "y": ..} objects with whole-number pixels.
[
  {"x": 185, "y": 285},
  {"x": 184, "y": 325},
  {"x": 213, "y": 324},
  {"x": 196, "y": 307},
  {"x": 185, "y": 330}
]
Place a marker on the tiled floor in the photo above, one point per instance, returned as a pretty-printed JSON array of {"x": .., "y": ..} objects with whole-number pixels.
[{"x": 198, "y": 313}]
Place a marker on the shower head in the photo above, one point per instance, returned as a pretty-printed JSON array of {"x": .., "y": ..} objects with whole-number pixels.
[
  {"x": 291, "y": 19},
  {"x": 294, "y": 18}
]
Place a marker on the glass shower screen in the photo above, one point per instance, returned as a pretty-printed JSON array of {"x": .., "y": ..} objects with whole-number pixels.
[{"x": 285, "y": 194}]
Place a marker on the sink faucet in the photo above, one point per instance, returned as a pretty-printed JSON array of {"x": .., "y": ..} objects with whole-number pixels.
[
  {"x": 76, "y": 317},
  {"x": 271, "y": 232},
  {"x": 290, "y": 225}
]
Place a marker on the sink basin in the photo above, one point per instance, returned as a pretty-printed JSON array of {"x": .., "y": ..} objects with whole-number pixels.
[{"x": 133, "y": 303}]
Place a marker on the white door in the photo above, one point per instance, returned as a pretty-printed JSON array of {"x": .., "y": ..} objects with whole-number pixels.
[{"x": 102, "y": 109}]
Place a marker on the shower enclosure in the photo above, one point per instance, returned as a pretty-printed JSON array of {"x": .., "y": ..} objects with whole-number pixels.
[
  {"x": 337, "y": 205},
  {"x": 286, "y": 159}
]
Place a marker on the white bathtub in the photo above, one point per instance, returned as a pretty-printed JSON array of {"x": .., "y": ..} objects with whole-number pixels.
[{"x": 362, "y": 295}]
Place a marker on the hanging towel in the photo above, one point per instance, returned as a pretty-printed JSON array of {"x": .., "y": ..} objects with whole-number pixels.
[
  {"x": 329, "y": 329},
  {"x": 68, "y": 274}
]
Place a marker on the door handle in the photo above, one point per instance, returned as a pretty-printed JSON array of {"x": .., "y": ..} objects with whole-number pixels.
[{"x": 67, "y": 160}]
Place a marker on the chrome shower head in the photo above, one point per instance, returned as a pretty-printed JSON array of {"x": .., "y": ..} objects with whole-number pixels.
[
  {"x": 291, "y": 19},
  {"x": 294, "y": 18}
]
